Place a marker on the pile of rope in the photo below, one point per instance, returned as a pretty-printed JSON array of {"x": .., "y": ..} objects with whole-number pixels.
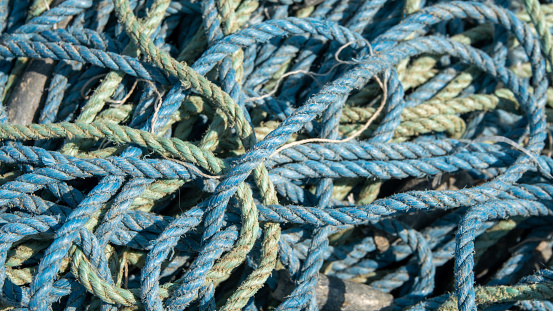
[{"x": 171, "y": 155}]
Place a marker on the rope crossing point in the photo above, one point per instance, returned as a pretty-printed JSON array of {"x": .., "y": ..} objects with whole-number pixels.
[{"x": 192, "y": 155}]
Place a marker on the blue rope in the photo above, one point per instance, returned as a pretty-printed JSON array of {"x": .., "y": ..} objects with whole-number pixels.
[{"x": 141, "y": 219}]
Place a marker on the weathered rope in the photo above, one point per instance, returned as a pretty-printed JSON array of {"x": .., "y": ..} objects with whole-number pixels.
[{"x": 184, "y": 152}]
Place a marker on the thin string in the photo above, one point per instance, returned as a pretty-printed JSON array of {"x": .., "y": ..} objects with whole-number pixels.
[
  {"x": 355, "y": 134},
  {"x": 311, "y": 74},
  {"x": 114, "y": 103}
]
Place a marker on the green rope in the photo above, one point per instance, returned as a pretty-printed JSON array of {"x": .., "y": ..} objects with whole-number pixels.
[
  {"x": 117, "y": 134},
  {"x": 533, "y": 8},
  {"x": 452, "y": 124},
  {"x": 429, "y": 108},
  {"x": 459, "y": 83},
  {"x": 257, "y": 278},
  {"x": 504, "y": 294},
  {"x": 114, "y": 78}
]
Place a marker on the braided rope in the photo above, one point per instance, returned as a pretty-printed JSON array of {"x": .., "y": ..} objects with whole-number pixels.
[
  {"x": 174, "y": 197},
  {"x": 534, "y": 10}
]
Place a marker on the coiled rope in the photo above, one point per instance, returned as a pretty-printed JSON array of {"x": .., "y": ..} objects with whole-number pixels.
[{"x": 184, "y": 152}]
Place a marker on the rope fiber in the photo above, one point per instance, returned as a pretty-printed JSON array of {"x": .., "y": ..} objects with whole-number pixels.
[{"x": 190, "y": 155}]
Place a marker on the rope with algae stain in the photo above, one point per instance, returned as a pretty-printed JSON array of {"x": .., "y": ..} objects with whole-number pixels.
[{"x": 162, "y": 187}]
